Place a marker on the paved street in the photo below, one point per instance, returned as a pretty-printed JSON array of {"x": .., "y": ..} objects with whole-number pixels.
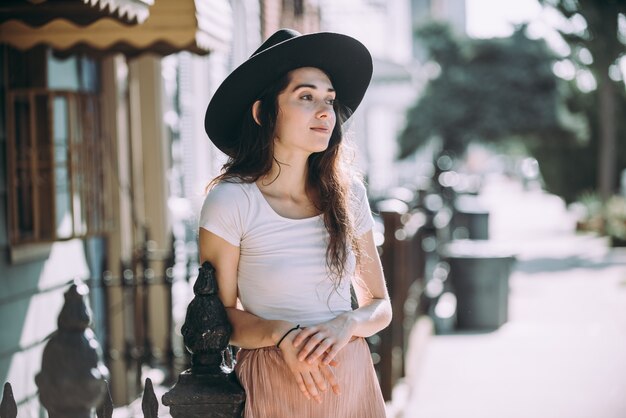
[{"x": 562, "y": 354}]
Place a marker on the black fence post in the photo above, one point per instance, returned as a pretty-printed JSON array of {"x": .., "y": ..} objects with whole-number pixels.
[
  {"x": 392, "y": 258},
  {"x": 72, "y": 378},
  {"x": 413, "y": 232},
  {"x": 206, "y": 389},
  {"x": 168, "y": 282}
]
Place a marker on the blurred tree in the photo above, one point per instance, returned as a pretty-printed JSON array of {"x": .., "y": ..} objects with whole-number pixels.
[
  {"x": 485, "y": 90},
  {"x": 569, "y": 168},
  {"x": 596, "y": 46}
]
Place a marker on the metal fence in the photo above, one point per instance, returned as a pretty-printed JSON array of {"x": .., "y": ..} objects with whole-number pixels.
[{"x": 149, "y": 403}]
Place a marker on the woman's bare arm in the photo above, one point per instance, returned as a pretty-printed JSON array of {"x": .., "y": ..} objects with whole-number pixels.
[{"x": 374, "y": 312}]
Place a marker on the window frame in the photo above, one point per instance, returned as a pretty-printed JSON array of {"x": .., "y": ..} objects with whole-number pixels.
[{"x": 86, "y": 157}]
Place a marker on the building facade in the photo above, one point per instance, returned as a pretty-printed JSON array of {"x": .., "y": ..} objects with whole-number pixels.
[{"x": 85, "y": 160}]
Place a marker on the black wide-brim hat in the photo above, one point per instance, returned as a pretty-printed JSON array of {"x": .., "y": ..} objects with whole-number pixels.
[{"x": 346, "y": 61}]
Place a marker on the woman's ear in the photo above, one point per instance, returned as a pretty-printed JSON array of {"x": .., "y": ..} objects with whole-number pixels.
[{"x": 256, "y": 108}]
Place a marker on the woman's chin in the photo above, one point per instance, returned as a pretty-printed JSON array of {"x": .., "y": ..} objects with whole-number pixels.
[{"x": 320, "y": 145}]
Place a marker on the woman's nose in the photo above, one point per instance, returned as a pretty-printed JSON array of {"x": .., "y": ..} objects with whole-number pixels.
[{"x": 325, "y": 110}]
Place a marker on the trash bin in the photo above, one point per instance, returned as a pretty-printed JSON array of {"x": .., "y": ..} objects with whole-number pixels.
[
  {"x": 470, "y": 219},
  {"x": 479, "y": 275}
]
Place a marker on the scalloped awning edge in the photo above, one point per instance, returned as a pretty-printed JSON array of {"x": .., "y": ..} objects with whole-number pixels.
[{"x": 173, "y": 26}]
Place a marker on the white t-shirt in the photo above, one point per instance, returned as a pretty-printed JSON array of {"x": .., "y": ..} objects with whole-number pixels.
[{"x": 282, "y": 271}]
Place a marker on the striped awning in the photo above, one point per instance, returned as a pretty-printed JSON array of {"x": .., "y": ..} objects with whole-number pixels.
[
  {"x": 80, "y": 12},
  {"x": 198, "y": 26}
]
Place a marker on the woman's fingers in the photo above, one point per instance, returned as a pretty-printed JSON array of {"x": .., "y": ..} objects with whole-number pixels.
[
  {"x": 319, "y": 380},
  {"x": 330, "y": 377},
  {"x": 322, "y": 341},
  {"x": 303, "y": 335},
  {"x": 310, "y": 346},
  {"x": 302, "y": 386},
  {"x": 311, "y": 386},
  {"x": 329, "y": 358},
  {"x": 318, "y": 352}
]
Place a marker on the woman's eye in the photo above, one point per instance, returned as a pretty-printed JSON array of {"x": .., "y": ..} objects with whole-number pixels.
[
  {"x": 307, "y": 97},
  {"x": 330, "y": 101}
]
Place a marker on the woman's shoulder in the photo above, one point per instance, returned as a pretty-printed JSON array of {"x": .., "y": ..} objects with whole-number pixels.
[
  {"x": 228, "y": 192},
  {"x": 226, "y": 210},
  {"x": 231, "y": 188}
]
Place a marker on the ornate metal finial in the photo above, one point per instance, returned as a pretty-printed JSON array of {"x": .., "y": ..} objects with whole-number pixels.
[
  {"x": 72, "y": 378},
  {"x": 205, "y": 284},
  {"x": 75, "y": 314},
  {"x": 206, "y": 389},
  {"x": 206, "y": 330},
  {"x": 149, "y": 403},
  {"x": 105, "y": 410},
  {"x": 8, "y": 407}
]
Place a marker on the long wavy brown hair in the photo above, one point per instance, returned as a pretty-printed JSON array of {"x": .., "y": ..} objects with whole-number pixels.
[{"x": 329, "y": 174}]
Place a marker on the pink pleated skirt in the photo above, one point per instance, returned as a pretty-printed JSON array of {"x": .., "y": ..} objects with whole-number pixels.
[{"x": 272, "y": 392}]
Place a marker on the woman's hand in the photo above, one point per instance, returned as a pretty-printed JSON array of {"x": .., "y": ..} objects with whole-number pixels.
[
  {"x": 312, "y": 377},
  {"x": 325, "y": 339}
]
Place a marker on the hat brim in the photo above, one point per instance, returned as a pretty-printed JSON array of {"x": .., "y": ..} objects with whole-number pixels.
[{"x": 347, "y": 62}]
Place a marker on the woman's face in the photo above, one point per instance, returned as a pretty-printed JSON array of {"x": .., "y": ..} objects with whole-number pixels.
[{"x": 306, "y": 116}]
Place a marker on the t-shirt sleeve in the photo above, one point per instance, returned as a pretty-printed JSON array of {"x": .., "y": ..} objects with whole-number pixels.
[
  {"x": 363, "y": 219},
  {"x": 223, "y": 212}
]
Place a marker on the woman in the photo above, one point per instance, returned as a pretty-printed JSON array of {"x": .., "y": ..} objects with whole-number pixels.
[{"x": 288, "y": 229}]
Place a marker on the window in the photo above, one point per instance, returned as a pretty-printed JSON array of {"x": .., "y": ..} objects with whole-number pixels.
[{"x": 56, "y": 153}]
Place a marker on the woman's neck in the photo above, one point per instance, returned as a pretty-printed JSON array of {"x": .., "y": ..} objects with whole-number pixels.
[
  {"x": 287, "y": 178},
  {"x": 285, "y": 190}
]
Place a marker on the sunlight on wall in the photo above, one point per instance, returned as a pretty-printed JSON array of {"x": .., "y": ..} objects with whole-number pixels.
[{"x": 66, "y": 262}]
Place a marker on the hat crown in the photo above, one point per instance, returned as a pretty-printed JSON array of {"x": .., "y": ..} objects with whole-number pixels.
[{"x": 279, "y": 36}]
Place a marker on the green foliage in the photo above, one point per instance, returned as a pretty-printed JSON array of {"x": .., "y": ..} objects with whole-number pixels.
[
  {"x": 615, "y": 215},
  {"x": 603, "y": 217},
  {"x": 598, "y": 40},
  {"x": 590, "y": 213},
  {"x": 486, "y": 90},
  {"x": 601, "y": 34},
  {"x": 496, "y": 89},
  {"x": 569, "y": 166}
]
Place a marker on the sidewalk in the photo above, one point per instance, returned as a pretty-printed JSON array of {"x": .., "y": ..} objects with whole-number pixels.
[{"x": 562, "y": 354}]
